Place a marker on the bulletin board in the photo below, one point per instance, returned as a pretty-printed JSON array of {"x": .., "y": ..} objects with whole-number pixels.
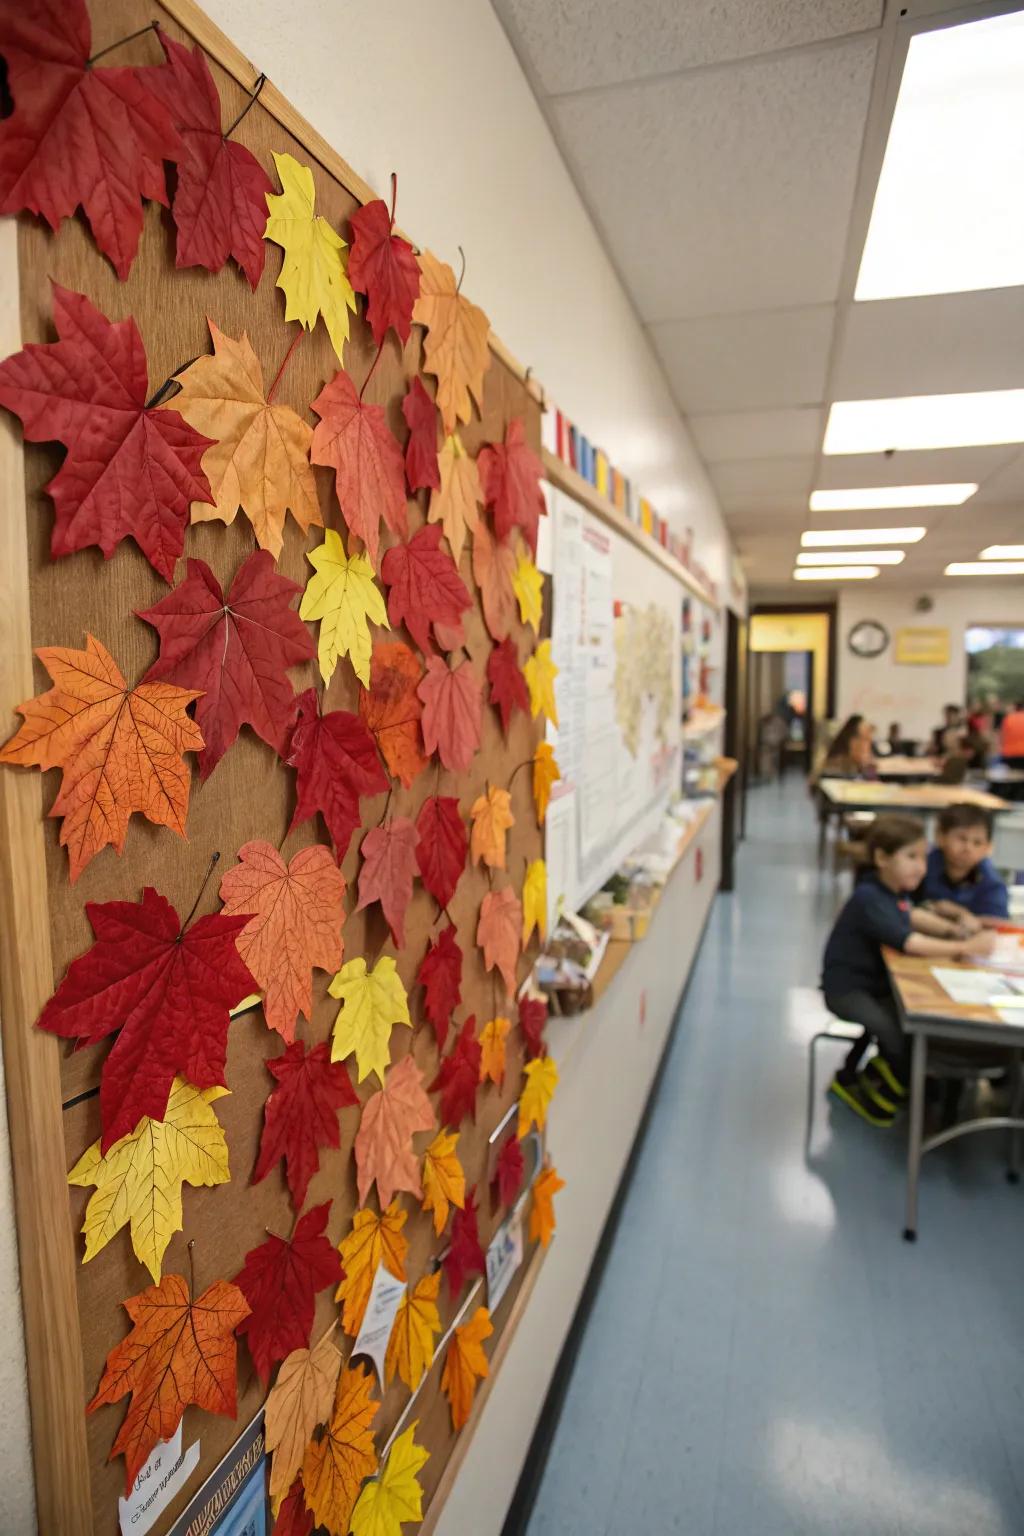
[{"x": 74, "y": 1312}]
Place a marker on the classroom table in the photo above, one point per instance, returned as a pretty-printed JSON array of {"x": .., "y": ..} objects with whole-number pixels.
[
  {"x": 900, "y": 769},
  {"x": 928, "y": 1013},
  {"x": 838, "y": 797}
]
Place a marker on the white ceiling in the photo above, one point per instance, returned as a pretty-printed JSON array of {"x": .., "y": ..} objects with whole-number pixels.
[{"x": 728, "y": 151}]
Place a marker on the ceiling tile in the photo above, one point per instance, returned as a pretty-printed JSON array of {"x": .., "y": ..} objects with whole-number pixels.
[
  {"x": 763, "y": 484},
  {"x": 938, "y": 345},
  {"x": 725, "y": 190},
  {"x": 748, "y": 361},
  {"x": 931, "y": 465},
  {"x": 756, "y": 434},
  {"x": 1006, "y": 485}
]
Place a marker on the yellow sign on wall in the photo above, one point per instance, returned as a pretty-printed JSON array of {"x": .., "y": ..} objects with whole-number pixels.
[{"x": 922, "y": 647}]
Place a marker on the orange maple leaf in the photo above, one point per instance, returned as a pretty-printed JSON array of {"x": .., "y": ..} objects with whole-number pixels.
[
  {"x": 466, "y": 1364},
  {"x": 492, "y": 817},
  {"x": 383, "y": 1144},
  {"x": 542, "y": 1212},
  {"x": 179, "y": 1352},
  {"x": 444, "y": 1183},
  {"x": 545, "y": 773},
  {"x": 499, "y": 933},
  {"x": 298, "y": 909},
  {"x": 120, "y": 749},
  {"x": 492, "y": 1050},
  {"x": 494, "y": 566},
  {"x": 373, "y": 1240},
  {"x": 457, "y": 348},
  {"x": 417, "y": 1323},
  {"x": 335, "y": 1466},
  {"x": 391, "y": 708},
  {"x": 456, "y": 502}
]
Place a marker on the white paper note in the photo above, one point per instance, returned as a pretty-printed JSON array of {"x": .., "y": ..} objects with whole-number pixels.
[
  {"x": 385, "y": 1297},
  {"x": 165, "y": 1474},
  {"x": 974, "y": 986},
  {"x": 504, "y": 1256}
]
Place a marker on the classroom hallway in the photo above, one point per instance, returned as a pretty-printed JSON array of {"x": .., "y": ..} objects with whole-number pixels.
[{"x": 765, "y": 1356}]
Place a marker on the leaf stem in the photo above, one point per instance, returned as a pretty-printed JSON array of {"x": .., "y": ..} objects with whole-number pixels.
[
  {"x": 284, "y": 363},
  {"x": 394, "y": 196},
  {"x": 154, "y": 400},
  {"x": 369, "y": 376},
  {"x": 151, "y": 26},
  {"x": 254, "y": 97},
  {"x": 191, "y": 1270},
  {"x": 387, "y": 804},
  {"x": 206, "y": 879},
  {"x": 462, "y": 274}
]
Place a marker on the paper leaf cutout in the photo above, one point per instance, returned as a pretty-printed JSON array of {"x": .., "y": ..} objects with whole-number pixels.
[
  {"x": 260, "y": 456},
  {"x": 492, "y": 817},
  {"x": 391, "y": 709},
  {"x": 466, "y": 1364},
  {"x": 417, "y": 1323},
  {"x": 540, "y": 673},
  {"x": 280, "y": 1280},
  {"x": 425, "y": 589},
  {"x": 300, "y": 1399},
  {"x": 441, "y": 850},
  {"x": 373, "y": 1240},
  {"x": 533, "y": 1015},
  {"x": 498, "y": 933},
  {"x": 382, "y": 265},
  {"x": 440, "y": 976},
  {"x": 545, "y": 773},
  {"x": 535, "y": 900},
  {"x": 459, "y": 1076},
  {"x": 457, "y": 497},
  {"x": 492, "y": 1050},
  {"x": 422, "y": 471},
  {"x": 528, "y": 586},
  {"x": 452, "y": 711},
  {"x": 119, "y": 748},
  {"x": 509, "y": 1171},
  {"x": 336, "y": 762},
  {"x": 510, "y": 474},
  {"x": 542, "y": 1212},
  {"x": 219, "y": 203},
  {"x": 389, "y": 867},
  {"x": 444, "y": 1183},
  {"x": 235, "y": 651},
  {"x": 383, "y": 1145},
  {"x": 301, "y": 1114},
  {"x": 335, "y": 1467},
  {"x": 457, "y": 346},
  {"x": 179, "y": 1353},
  {"x": 293, "y": 1518},
  {"x": 343, "y": 596},
  {"x": 395, "y": 1498},
  {"x": 507, "y": 684},
  {"x": 313, "y": 276},
  {"x": 169, "y": 993},
  {"x": 465, "y": 1256},
  {"x": 79, "y": 134},
  {"x": 372, "y": 1002},
  {"x": 493, "y": 568},
  {"x": 130, "y": 472},
  {"x": 353, "y": 438},
  {"x": 541, "y": 1081},
  {"x": 139, "y": 1180}
]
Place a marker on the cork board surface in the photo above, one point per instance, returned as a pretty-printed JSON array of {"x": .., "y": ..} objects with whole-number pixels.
[{"x": 250, "y": 794}]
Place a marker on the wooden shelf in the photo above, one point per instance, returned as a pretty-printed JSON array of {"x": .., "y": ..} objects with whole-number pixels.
[{"x": 703, "y": 721}]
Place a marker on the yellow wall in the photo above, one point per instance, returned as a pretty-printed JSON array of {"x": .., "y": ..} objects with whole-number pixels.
[{"x": 797, "y": 632}]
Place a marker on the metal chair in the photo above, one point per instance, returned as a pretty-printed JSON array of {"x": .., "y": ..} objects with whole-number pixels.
[{"x": 845, "y": 1034}]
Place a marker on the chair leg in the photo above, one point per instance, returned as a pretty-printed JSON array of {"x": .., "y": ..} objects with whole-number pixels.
[{"x": 1016, "y": 1108}]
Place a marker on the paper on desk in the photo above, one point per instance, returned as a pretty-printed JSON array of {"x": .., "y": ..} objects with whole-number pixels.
[{"x": 978, "y": 986}]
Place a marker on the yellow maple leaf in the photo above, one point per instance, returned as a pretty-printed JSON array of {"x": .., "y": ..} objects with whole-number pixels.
[
  {"x": 314, "y": 276},
  {"x": 335, "y": 1467},
  {"x": 444, "y": 1183},
  {"x": 540, "y": 673},
  {"x": 492, "y": 1050},
  {"x": 535, "y": 900},
  {"x": 541, "y": 1082},
  {"x": 466, "y": 1364},
  {"x": 140, "y": 1178},
  {"x": 299, "y": 1400},
  {"x": 373, "y": 1240},
  {"x": 542, "y": 1212},
  {"x": 395, "y": 1498},
  {"x": 492, "y": 817},
  {"x": 545, "y": 773},
  {"x": 371, "y": 1003},
  {"x": 343, "y": 595},
  {"x": 457, "y": 346},
  {"x": 456, "y": 502},
  {"x": 417, "y": 1323},
  {"x": 528, "y": 586}
]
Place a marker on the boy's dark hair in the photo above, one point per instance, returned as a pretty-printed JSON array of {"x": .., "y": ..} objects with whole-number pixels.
[
  {"x": 889, "y": 834},
  {"x": 959, "y": 817}
]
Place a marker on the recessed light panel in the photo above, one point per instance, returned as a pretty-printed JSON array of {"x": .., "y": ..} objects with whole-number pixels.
[
  {"x": 851, "y": 557},
  {"x": 926, "y": 421},
  {"x": 823, "y": 538},
  {"x": 985, "y": 568},
  {"x": 1003, "y": 552},
  {"x": 838, "y": 573},
  {"x": 878, "y": 496}
]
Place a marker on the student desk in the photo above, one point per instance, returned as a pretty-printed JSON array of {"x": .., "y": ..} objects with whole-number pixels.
[
  {"x": 928, "y": 1013},
  {"x": 837, "y": 797},
  {"x": 897, "y": 769}
]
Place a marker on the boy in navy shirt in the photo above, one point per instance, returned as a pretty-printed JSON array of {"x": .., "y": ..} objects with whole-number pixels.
[{"x": 961, "y": 882}]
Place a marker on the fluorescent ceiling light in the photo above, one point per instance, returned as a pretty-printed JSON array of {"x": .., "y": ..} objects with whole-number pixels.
[
  {"x": 839, "y": 573},
  {"x": 851, "y": 557},
  {"x": 926, "y": 421},
  {"x": 891, "y": 496},
  {"x": 944, "y": 220},
  {"x": 822, "y": 538},
  {"x": 985, "y": 568},
  {"x": 1003, "y": 552}
]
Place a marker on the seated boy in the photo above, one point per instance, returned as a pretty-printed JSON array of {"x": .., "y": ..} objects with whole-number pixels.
[{"x": 961, "y": 882}]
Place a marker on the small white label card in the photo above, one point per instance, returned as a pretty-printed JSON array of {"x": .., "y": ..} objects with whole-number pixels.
[
  {"x": 164, "y": 1475},
  {"x": 504, "y": 1256},
  {"x": 385, "y": 1297}
]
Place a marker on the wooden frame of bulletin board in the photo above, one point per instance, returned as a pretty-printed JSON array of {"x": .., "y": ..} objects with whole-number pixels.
[{"x": 73, "y": 1312}]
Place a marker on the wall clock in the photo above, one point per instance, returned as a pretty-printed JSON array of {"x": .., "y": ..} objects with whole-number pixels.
[{"x": 868, "y": 638}]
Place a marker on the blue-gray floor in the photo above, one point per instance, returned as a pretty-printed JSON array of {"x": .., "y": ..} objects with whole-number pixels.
[{"x": 765, "y": 1356}]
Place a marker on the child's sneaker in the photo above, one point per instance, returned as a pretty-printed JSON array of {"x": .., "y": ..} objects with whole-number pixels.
[
  {"x": 855, "y": 1097},
  {"x": 881, "y": 1085}
]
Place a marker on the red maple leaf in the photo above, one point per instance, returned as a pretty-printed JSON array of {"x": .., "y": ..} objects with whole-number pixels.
[
  {"x": 383, "y": 266},
  {"x": 507, "y": 683},
  {"x": 533, "y": 1015},
  {"x": 422, "y": 470},
  {"x": 237, "y": 651},
  {"x": 78, "y": 134},
  {"x": 510, "y": 474},
  {"x": 293, "y": 1518},
  {"x": 509, "y": 1171},
  {"x": 167, "y": 989},
  {"x": 130, "y": 472},
  {"x": 442, "y": 847},
  {"x": 335, "y": 762},
  {"x": 389, "y": 866},
  {"x": 465, "y": 1256},
  {"x": 301, "y": 1114},
  {"x": 452, "y": 710},
  {"x": 219, "y": 204},
  {"x": 280, "y": 1280},
  {"x": 354, "y": 440},
  {"x": 425, "y": 588},
  {"x": 440, "y": 976},
  {"x": 391, "y": 708},
  {"x": 459, "y": 1077}
]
